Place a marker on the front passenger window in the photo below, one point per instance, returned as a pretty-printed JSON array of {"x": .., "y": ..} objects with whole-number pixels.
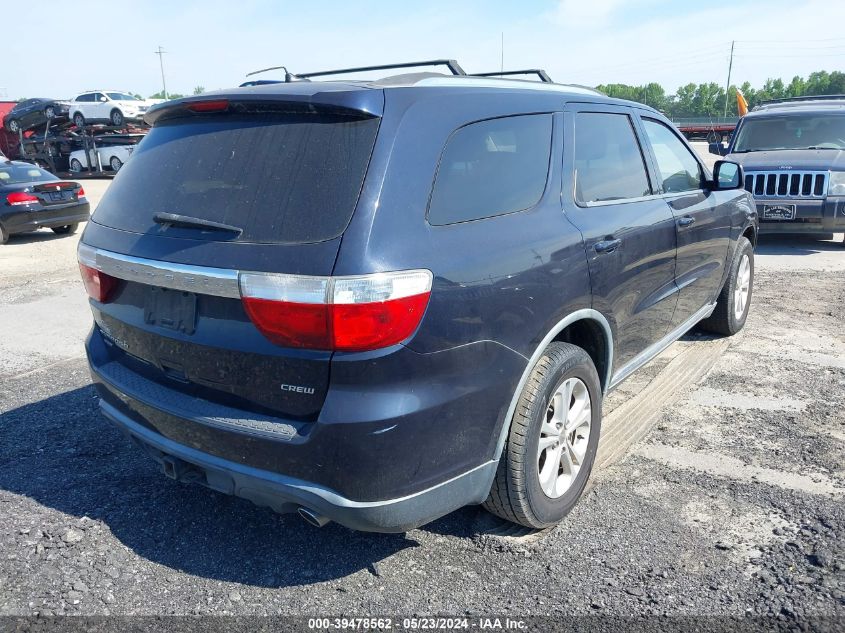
[{"x": 679, "y": 170}]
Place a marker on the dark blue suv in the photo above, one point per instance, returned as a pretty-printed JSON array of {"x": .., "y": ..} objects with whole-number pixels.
[{"x": 375, "y": 302}]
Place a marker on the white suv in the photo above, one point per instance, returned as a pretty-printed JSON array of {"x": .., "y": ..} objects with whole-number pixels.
[{"x": 106, "y": 106}]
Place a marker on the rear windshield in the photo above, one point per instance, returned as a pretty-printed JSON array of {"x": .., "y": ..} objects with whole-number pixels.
[
  {"x": 21, "y": 174},
  {"x": 796, "y": 131},
  {"x": 281, "y": 178}
]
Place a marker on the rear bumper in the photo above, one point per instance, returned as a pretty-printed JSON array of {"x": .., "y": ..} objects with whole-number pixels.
[
  {"x": 287, "y": 494},
  {"x": 45, "y": 217},
  {"x": 382, "y": 456}
]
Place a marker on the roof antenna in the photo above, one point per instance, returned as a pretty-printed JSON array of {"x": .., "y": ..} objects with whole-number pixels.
[{"x": 289, "y": 77}]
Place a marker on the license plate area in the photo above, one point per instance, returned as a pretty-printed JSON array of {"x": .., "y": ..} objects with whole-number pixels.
[
  {"x": 171, "y": 309},
  {"x": 779, "y": 212},
  {"x": 56, "y": 196}
]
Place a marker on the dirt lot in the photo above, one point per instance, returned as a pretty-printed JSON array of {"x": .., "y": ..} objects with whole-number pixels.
[{"x": 727, "y": 501}]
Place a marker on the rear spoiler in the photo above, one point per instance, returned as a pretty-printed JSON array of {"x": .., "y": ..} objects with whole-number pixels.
[{"x": 295, "y": 97}]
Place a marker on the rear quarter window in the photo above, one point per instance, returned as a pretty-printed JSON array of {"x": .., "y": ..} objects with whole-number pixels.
[
  {"x": 492, "y": 168},
  {"x": 281, "y": 178}
]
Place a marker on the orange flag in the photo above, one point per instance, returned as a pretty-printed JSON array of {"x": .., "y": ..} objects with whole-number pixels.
[{"x": 741, "y": 103}]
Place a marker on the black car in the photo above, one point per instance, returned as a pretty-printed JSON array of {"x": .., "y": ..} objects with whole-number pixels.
[
  {"x": 793, "y": 155},
  {"x": 31, "y": 198},
  {"x": 32, "y": 112},
  {"x": 375, "y": 302}
]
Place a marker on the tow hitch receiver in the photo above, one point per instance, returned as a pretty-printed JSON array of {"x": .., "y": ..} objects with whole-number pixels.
[{"x": 179, "y": 470}]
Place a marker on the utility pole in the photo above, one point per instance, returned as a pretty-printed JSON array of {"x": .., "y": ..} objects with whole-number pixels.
[
  {"x": 730, "y": 67},
  {"x": 502, "y": 67},
  {"x": 160, "y": 52}
]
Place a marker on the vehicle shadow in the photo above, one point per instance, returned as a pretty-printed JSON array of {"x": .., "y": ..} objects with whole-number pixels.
[
  {"x": 61, "y": 453},
  {"x": 796, "y": 245},
  {"x": 35, "y": 237}
]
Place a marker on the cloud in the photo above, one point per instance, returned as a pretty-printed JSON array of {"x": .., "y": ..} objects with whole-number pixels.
[{"x": 592, "y": 12}]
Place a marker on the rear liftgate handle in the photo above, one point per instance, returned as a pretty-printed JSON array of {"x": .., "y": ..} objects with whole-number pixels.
[{"x": 607, "y": 246}]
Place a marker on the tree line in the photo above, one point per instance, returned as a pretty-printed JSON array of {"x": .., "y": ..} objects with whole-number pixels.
[{"x": 708, "y": 99}]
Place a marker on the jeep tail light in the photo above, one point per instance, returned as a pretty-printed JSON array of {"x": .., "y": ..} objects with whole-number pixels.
[
  {"x": 98, "y": 284},
  {"x": 350, "y": 314},
  {"x": 20, "y": 197}
]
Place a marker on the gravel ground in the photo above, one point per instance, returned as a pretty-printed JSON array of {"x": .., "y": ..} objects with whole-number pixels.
[{"x": 732, "y": 505}]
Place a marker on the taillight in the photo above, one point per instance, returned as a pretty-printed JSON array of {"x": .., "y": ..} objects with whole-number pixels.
[
  {"x": 80, "y": 193},
  {"x": 20, "y": 197},
  {"x": 337, "y": 313},
  {"x": 98, "y": 284}
]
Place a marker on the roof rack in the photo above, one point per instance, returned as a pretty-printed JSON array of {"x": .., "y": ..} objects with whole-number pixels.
[
  {"x": 542, "y": 74},
  {"x": 797, "y": 99},
  {"x": 451, "y": 64}
]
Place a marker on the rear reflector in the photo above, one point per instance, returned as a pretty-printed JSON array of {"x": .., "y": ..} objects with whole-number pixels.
[
  {"x": 19, "y": 197},
  {"x": 337, "y": 313}
]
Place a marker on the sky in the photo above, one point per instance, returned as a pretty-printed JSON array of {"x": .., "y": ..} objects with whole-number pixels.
[{"x": 214, "y": 43}]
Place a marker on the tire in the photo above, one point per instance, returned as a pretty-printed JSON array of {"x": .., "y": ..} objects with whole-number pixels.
[
  {"x": 116, "y": 118},
  {"x": 729, "y": 318},
  {"x": 4, "y": 235},
  {"x": 66, "y": 230},
  {"x": 78, "y": 119},
  {"x": 75, "y": 165},
  {"x": 50, "y": 112},
  {"x": 115, "y": 163},
  {"x": 13, "y": 126},
  {"x": 519, "y": 493}
]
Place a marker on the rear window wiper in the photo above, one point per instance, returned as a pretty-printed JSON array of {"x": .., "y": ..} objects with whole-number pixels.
[{"x": 188, "y": 222}]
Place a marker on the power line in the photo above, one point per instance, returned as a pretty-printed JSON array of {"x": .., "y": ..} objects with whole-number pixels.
[
  {"x": 830, "y": 39},
  {"x": 778, "y": 55},
  {"x": 702, "y": 52}
]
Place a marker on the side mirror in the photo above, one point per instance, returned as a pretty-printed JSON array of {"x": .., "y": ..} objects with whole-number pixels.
[
  {"x": 720, "y": 149},
  {"x": 103, "y": 99},
  {"x": 727, "y": 175}
]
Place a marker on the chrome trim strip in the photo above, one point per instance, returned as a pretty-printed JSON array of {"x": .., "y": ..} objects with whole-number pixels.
[
  {"x": 220, "y": 282},
  {"x": 654, "y": 349},
  {"x": 578, "y": 315}
]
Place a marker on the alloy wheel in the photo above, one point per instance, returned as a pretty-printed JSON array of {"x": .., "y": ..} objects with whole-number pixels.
[
  {"x": 743, "y": 286},
  {"x": 564, "y": 436}
]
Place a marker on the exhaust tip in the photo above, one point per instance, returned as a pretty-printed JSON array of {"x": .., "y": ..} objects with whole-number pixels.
[{"x": 317, "y": 520}]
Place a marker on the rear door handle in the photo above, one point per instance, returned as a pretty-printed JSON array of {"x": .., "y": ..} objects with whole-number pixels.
[
  {"x": 687, "y": 220},
  {"x": 607, "y": 246}
]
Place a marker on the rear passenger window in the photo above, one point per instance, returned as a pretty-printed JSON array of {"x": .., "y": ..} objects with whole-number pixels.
[
  {"x": 492, "y": 168},
  {"x": 679, "y": 170},
  {"x": 608, "y": 161}
]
